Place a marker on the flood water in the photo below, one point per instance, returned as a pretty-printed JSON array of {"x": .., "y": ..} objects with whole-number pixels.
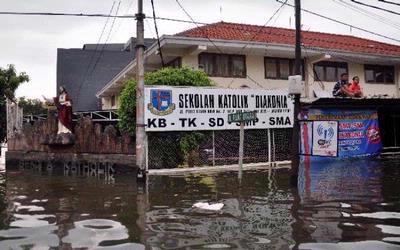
[{"x": 344, "y": 205}]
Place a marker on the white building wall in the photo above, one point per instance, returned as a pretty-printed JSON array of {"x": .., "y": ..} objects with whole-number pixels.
[
  {"x": 356, "y": 69},
  {"x": 106, "y": 103},
  {"x": 255, "y": 70}
]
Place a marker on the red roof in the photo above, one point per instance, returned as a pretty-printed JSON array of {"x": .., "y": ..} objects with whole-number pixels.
[{"x": 274, "y": 35}]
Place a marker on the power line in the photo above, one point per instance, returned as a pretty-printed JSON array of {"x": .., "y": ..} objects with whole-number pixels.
[
  {"x": 211, "y": 41},
  {"x": 126, "y": 12},
  {"x": 97, "y": 44},
  {"x": 389, "y": 2},
  {"x": 107, "y": 39},
  {"x": 200, "y": 28},
  {"x": 158, "y": 37},
  {"x": 262, "y": 27},
  {"x": 376, "y": 7},
  {"x": 97, "y": 15},
  {"x": 368, "y": 13},
  {"x": 18, "y": 13},
  {"x": 101, "y": 53},
  {"x": 343, "y": 23},
  {"x": 258, "y": 32}
]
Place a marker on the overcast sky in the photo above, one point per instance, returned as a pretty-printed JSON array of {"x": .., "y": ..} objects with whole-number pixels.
[{"x": 31, "y": 42}]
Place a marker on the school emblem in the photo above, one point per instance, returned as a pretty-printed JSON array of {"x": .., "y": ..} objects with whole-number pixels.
[{"x": 161, "y": 102}]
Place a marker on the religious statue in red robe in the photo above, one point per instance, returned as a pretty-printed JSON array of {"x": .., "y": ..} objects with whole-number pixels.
[{"x": 64, "y": 106}]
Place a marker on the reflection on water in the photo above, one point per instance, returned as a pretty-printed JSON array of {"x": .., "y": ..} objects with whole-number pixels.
[
  {"x": 56, "y": 212},
  {"x": 343, "y": 205}
]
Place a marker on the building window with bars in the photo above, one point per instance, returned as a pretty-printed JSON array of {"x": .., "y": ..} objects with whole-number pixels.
[
  {"x": 175, "y": 63},
  {"x": 223, "y": 65},
  {"x": 379, "y": 74},
  {"x": 280, "y": 68},
  {"x": 329, "y": 71}
]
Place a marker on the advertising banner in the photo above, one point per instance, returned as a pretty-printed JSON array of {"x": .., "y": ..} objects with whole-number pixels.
[
  {"x": 197, "y": 108},
  {"x": 351, "y": 132},
  {"x": 325, "y": 138}
]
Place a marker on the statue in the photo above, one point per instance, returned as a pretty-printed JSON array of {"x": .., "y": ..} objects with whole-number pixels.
[{"x": 64, "y": 107}]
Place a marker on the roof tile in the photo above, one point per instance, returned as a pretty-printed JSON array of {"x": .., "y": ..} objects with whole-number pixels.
[{"x": 274, "y": 35}]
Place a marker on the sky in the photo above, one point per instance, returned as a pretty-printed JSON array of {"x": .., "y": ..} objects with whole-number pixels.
[{"x": 31, "y": 42}]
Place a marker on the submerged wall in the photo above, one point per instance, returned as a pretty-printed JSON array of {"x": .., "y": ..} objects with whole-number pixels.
[
  {"x": 89, "y": 138},
  {"x": 92, "y": 144}
]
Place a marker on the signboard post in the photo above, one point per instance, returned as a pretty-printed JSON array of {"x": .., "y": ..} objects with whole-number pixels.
[{"x": 242, "y": 117}]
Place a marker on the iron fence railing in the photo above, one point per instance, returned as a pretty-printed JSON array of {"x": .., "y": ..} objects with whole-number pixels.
[{"x": 96, "y": 116}]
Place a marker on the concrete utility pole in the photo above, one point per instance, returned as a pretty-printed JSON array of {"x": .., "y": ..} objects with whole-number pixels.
[
  {"x": 140, "y": 123},
  {"x": 296, "y": 126}
]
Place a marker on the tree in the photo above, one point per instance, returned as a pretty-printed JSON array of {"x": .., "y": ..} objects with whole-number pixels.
[
  {"x": 9, "y": 82},
  {"x": 127, "y": 108},
  {"x": 31, "y": 106},
  {"x": 170, "y": 153}
]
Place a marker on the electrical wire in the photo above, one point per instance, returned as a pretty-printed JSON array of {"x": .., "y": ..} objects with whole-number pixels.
[
  {"x": 121, "y": 20},
  {"x": 97, "y": 44},
  {"x": 262, "y": 27},
  {"x": 368, "y": 14},
  {"x": 158, "y": 37},
  {"x": 258, "y": 32},
  {"x": 313, "y": 73},
  {"x": 376, "y": 7},
  {"x": 105, "y": 43},
  {"x": 99, "y": 57},
  {"x": 211, "y": 41},
  {"x": 343, "y": 23},
  {"x": 179, "y": 20},
  {"x": 389, "y": 2},
  {"x": 96, "y": 15}
]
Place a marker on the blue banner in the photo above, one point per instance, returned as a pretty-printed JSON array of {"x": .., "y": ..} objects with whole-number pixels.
[
  {"x": 357, "y": 133},
  {"x": 347, "y": 179}
]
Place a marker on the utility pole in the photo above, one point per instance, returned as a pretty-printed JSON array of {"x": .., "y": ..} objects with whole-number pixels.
[
  {"x": 296, "y": 126},
  {"x": 140, "y": 124}
]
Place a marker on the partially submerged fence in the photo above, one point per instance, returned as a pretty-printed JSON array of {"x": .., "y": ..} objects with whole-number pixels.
[{"x": 219, "y": 147}]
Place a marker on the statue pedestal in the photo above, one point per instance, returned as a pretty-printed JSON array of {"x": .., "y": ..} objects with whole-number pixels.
[{"x": 64, "y": 139}]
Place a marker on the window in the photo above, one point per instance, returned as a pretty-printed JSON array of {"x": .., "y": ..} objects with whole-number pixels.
[
  {"x": 280, "y": 68},
  {"x": 223, "y": 65},
  {"x": 113, "y": 101},
  {"x": 176, "y": 63},
  {"x": 379, "y": 73},
  {"x": 329, "y": 71}
]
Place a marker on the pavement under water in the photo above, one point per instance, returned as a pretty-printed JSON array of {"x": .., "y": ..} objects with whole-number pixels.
[{"x": 338, "y": 205}]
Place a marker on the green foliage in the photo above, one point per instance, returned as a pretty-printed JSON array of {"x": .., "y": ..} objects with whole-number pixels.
[
  {"x": 178, "y": 77},
  {"x": 9, "y": 82},
  {"x": 31, "y": 106},
  {"x": 127, "y": 108},
  {"x": 191, "y": 141}
]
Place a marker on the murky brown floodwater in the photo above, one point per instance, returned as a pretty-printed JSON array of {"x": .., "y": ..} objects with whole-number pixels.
[{"x": 345, "y": 205}]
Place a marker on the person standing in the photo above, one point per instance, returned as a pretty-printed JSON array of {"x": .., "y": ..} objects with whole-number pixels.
[
  {"x": 341, "y": 88},
  {"x": 355, "y": 87}
]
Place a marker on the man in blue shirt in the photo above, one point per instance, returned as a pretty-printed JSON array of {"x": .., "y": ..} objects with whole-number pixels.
[{"x": 341, "y": 87}]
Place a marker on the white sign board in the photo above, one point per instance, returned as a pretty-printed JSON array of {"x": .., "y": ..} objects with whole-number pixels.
[
  {"x": 325, "y": 138},
  {"x": 190, "y": 108}
]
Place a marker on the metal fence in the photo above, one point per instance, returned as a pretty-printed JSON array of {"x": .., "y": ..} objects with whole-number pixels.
[{"x": 219, "y": 147}]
